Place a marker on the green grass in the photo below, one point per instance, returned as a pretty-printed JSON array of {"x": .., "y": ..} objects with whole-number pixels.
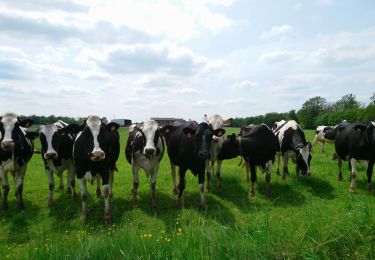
[{"x": 308, "y": 217}]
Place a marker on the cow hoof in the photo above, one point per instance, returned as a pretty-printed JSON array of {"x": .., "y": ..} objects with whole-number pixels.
[
  {"x": 84, "y": 216},
  {"x": 269, "y": 194},
  {"x": 340, "y": 178},
  {"x": 204, "y": 206},
  {"x": 351, "y": 189},
  {"x": 153, "y": 203},
  {"x": 21, "y": 206},
  {"x": 69, "y": 190},
  {"x": 175, "y": 191},
  {"x": 98, "y": 192},
  {"x": 107, "y": 218},
  {"x": 251, "y": 194},
  {"x": 50, "y": 203},
  {"x": 369, "y": 187},
  {"x": 5, "y": 206},
  {"x": 179, "y": 203}
]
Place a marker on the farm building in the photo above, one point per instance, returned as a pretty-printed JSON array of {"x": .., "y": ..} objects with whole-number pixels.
[
  {"x": 162, "y": 121},
  {"x": 122, "y": 122}
]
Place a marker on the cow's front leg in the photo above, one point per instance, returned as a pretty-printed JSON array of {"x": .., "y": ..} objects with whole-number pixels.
[
  {"x": 61, "y": 183},
  {"x": 218, "y": 172},
  {"x": 339, "y": 164},
  {"x": 110, "y": 182},
  {"x": 247, "y": 169},
  {"x": 84, "y": 197},
  {"x": 19, "y": 177},
  {"x": 173, "y": 173},
  {"x": 209, "y": 164},
  {"x": 369, "y": 175},
  {"x": 4, "y": 178},
  {"x": 135, "y": 184},
  {"x": 181, "y": 186},
  {"x": 51, "y": 186},
  {"x": 353, "y": 175},
  {"x": 98, "y": 192},
  {"x": 253, "y": 179},
  {"x": 153, "y": 176},
  {"x": 278, "y": 155},
  {"x": 269, "y": 166},
  {"x": 201, "y": 190},
  {"x": 285, "y": 165},
  {"x": 71, "y": 181},
  {"x": 107, "y": 211}
]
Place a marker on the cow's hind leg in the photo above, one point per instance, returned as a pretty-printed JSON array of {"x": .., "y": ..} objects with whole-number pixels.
[
  {"x": 278, "y": 155},
  {"x": 268, "y": 172},
  {"x": 135, "y": 184},
  {"x": 98, "y": 191},
  {"x": 339, "y": 164},
  {"x": 253, "y": 179},
  {"x": 105, "y": 191},
  {"x": 71, "y": 181},
  {"x": 4, "y": 178},
  {"x": 110, "y": 182},
  {"x": 247, "y": 169},
  {"x": 84, "y": 197},
  {"x": 369, "y": 175},
  {"x": 353, "y": 175},
  {"x": 153, "y": 176},
  {"x": 61, "y": 182},
  {"x": 19, "y": 177},
  {"x": 285, "y": 165},
  {"x": 181, "y": 187},
  {"x": 209, "y": 164},
  {"x": 173, "y": 173}
]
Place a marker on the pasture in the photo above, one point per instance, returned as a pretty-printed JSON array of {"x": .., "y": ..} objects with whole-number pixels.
[{"x": 308, "y": 217}]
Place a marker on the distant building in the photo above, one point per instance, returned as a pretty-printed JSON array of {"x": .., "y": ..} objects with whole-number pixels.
[
  {"x": 162, "y": 121},
  {"x": 122, "y": 122}
]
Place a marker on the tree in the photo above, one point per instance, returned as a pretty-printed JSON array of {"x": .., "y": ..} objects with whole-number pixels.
[
  {"x": 346, "y": 102},
  {"x": 372, "y": 99},
  {"x": 310, "y": 111}
]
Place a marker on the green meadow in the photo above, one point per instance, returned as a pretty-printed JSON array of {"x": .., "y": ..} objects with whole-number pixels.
[{"x": 307, "y": 217}]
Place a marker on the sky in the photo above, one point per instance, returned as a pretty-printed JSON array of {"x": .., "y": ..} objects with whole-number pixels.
[{"x": 138, "y": 59}]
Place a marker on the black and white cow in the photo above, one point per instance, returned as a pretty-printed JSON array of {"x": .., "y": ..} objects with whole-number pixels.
[
  {"x": 16, "y": 150},
  {"x": 353, "y": 142},
  {"x": 189, "y": 146},
  {"x": 145, "y": 149},
  {"x": 258, "y": 145},
  {"x": 95, "y": 151},
  {"x": 323, "y": 134},
  {"x": 292, "y": 143},
  {"x": 56, "y": 150},
  {"x": 216, "y": 123}
]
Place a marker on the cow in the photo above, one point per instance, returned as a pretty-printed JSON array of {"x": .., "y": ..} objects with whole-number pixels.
[
  {"x": 189, "y": 146},
  {"x": 95, "y": 151},
  {"x": 145, "y": 149},
  {"x": 257, "y": 145},
  {"x": 56, "y": 151},
  {"x": 323, "y": 134},
  {"x": 292, "y": 143},
  {"x": 353, "y": 142},
  {"x": 16, "y": 150},
  {"x": 217, "y": 122}
]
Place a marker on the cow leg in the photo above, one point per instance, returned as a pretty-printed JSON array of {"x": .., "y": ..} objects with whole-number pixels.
[
  {"x": 209, "y": 164},
  {"x": 247, "y": 169},
  {"x": 285, "y": 165},
  {"x": 51, "y": 186},
  {"x": 218, "y": 171},
  {"x": 84, "y": 197},
  {"x": 268, "y": 172},
  {"x": 173, "y": 173},
  {"x": 71, "y": 181},
  {"x": 98, "y": 191},
  {"x": 322, "y": 144},
  {"x": 201, "y": 191},
  {"x": 105, "y": 191},
  {"x": 278, "y": 155},
  {"x": 353, "y": 175},
  {"x": 61, "y": 183},
  {"x": 4, "y": 178},
  {"x": 135, "y": 184},
  {"x": 369, "y": 175},
  {"x": 110, "y": 182},
  {"x": 181, "y": 187},
  {"x": 19, "y": 177},
  {"x": 154, "y": 174},
  {"x": 339, "y": 164},
  {"x": 253, "y": 179}
]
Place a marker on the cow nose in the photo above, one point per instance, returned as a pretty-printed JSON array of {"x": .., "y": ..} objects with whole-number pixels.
[
  {"x": 203, "y": 155},
  {"x": 7, "y": 145},
  {"x": 149, "y": 151},
  {"x": 50, "y": 155},
  {"x": 97, "y": 156}
]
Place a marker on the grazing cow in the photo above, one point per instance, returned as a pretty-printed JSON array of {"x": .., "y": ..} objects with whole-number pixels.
[
  {"x": 353, "y": 142},
  {"x": 292, "y": 143},
  {"x": 189, "y": 146},
  {"x": 216, "y": 122},
  {"x": 324, "y": 134},
  {"x": 56, "y": 150},
  {"x": 145, "y": 149},
  {"x": 95, "y": 151},
  {"x": 258, "y": 145},
  {"x": 16, "y": 150}
]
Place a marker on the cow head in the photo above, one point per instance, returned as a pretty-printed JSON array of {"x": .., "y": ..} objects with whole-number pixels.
[
  {"x": 151, "y": 134},
  {"x": 229, "y": 148},
  {"x": 303, "y": 158},
  {"x": 276, "y": 125},
  {"x": 11, "y": 131},
  {"x": 202, "y": 138},
  {"x": 370, "y": 133}
]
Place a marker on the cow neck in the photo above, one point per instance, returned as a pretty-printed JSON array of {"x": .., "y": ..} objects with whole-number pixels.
[
  {"x": 281, "y": 126},
  {"x": 239, "y": 145}
]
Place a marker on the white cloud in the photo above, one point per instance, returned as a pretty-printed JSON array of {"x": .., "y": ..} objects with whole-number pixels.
[
  {"x": 245, "y": 84},
  {"x": 202, "y": 103},
  {"x": 280, "y": 56},
  {"x": 277, "y": 31}
]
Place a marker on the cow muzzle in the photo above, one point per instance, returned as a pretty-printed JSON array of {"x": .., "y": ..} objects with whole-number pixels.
[
  {"x": 50, "y": 155},
  {"x": 97, "y": 156},
  {"x": 204, "y": 155},
  {"x": 149, "y": 151},
  {"x": 7, "y": 145}
]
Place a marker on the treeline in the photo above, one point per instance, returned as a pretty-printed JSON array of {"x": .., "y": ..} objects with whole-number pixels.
[
  {"x": 44, "y": 120},
  {"x": 318, "y": 111}
]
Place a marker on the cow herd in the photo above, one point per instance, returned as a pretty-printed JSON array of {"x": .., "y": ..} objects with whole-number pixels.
[{"x": 90, "y": 151}]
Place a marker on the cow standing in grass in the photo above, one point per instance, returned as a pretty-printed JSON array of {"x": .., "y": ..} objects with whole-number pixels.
[
  {"x": 16, "y": 150},
  {"x": 145, "y": 149},
  {"x": 292, "y": 143},
  {"x": 56, "y": 150},
  {"x": 353, "y": 142},
  {"x": 323, "y": 134},
  {"x": 189, "y": 146},
  {"x": 95, "y": 151}
]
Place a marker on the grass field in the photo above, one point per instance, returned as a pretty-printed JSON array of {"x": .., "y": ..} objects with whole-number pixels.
[{"x": 308, "y": 217}]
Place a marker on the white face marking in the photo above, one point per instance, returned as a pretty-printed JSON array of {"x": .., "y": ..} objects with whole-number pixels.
[
  {"x": 94, "y": 123},
  {"x": 8, "y": 120},
  {"x": 305, "y": 152},
  {"x": 216, "y": 122},
  {"x": 373, "y": 123},
  {"x": 48, "y": 131},
  {"x": 148, "y": 129}
]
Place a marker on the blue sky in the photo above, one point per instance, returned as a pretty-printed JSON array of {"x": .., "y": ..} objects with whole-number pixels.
[{"x": 140, "y": 59}]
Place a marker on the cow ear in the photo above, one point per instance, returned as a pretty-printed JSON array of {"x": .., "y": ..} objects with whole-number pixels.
[
  {"x": 232, "y": 137},
  {"x": 32, "y": 135},
  {"x": 360, "y": 128},
  {"x": 73, "y": 128},
  {"x": 167, "y": 129},
  {"x": 112, "y": 126},
  {"x": 205, "y": 118},
  {"x": 228, "y": 122},
  {"x": 189, "y": 132},
  {"x": 219, "y": 132},
  {"x": 26, "y": 122}
]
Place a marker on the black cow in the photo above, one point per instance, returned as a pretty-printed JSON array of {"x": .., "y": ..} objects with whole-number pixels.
[
  {"x": 258, "y": 145},
  {"x": 16, "y": 150},
  {"x": 145, "y": 149},
  {"x": 95, "y": 151},
  {"x": 56, "y": 150},
  {"x": 189, "y": 146},
  {"x": 356, "y": 141},
  {"x": 292, "y": 142}
]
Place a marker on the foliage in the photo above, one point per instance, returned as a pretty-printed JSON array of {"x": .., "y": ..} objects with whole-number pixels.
[{"x": 310, "y": 110}]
